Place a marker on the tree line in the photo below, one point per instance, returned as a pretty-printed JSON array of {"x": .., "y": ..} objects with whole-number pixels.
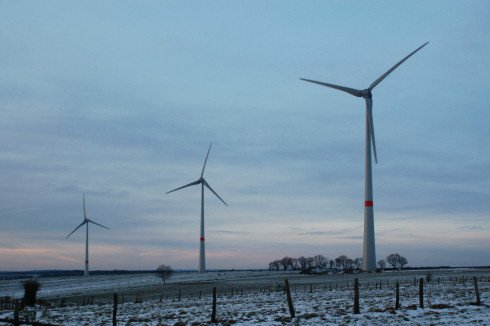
[{"x": 320, "y": 264}]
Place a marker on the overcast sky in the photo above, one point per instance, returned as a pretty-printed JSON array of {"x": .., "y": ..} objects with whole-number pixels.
[{"x": 120, "y": 99}]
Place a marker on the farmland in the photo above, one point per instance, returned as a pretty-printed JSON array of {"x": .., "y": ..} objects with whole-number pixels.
[{"x": 258, "y": 297}]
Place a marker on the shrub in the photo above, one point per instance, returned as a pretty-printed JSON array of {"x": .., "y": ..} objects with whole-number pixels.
[{"x": 30, "y": 292}]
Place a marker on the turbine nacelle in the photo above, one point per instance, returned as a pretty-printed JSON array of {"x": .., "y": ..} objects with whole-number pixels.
[{"x": 366, "y": 93}]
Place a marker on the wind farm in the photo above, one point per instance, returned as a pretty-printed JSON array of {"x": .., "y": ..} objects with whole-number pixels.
[{"x": 299, "y": 208}]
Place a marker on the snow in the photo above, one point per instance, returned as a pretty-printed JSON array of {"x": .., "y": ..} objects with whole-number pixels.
[{"x": 447, "y": 302}]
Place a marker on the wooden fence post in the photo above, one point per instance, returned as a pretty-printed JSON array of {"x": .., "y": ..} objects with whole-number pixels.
[
  {"x": 421, "y": 293},
  {"x": 114, "y": 311},
  {"x": 397, "y": 295},
  {"x": 356, "y": 296},
  {"x": 16, "y": 313},
  {"x": 290, "y": 300},
  {"x": 477, "y": 292},
  {"x": 213, "y": 312}
]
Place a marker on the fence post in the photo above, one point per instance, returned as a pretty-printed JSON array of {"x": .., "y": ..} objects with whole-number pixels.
[
  {"x": 356, "y": 296},
  {"x": 290, "y": 300},
  {"x": 213, "y": 313},
  {"x": 114, "y": 311},
  {"x": 421, "y": 293},
  {"x": 397, "y": 296},
  {"x": 477, "y": 292},
  {"x": 16, "y": 313}
]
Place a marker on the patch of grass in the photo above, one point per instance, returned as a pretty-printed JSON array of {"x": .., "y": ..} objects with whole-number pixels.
[
  {"x": 309, "y": 316},
  {"x": 440, "y": 306},
  {"x": 391, "y": 310}
]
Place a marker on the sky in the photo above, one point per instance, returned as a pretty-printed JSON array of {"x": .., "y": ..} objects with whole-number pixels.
[{"x": 119, "y": 100}]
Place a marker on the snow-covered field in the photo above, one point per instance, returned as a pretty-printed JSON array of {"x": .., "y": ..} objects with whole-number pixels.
[{"x": 259, "y": 298}]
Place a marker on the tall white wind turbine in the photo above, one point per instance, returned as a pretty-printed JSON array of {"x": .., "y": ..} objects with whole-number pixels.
[
  {"x": 202, "y": 182},
  {"x": 369, "y": 251},
  {"x": 86, "y": 221}
]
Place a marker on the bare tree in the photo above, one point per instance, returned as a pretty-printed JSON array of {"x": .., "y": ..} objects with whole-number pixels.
[
  {"x": 321, "y": 263},
  {"x": 349, "y": 264},
  {"x": 393, "y": 259},
  {"x": 382, "y": 264},
  {"x": 402, "y": 261},
  {"x": 310, "y": 262},
  {"x": 358, "y": 263},
  {"x": 303, "y": 263},
  {"x": 343, "y": 262},
  {"x": 277, "y": 264},
  {"x": 271, "y": 266},
  {"x": 294, "y": 264},
  {"x": 164, "y": 272},
  {"x": 286, "y": 263}
]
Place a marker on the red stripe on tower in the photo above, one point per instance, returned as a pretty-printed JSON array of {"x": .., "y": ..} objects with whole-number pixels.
[
  {"x": 202, "y": 238},
  {"x": 368, "y": 203}
]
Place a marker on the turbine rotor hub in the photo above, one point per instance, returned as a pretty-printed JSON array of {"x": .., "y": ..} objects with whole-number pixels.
[{"x": 366, "y": 93}]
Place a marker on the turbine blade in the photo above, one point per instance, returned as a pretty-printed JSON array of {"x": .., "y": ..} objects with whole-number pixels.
[
  {"x": 369, "y": 112},
  {"x": 84, "y": 221},
  {"x": 206, "y": 160},
  {"x": 84, "y": 213},
  {"x": 351, "y": 91},
  {"x": 377, "y": 81},
  {"x": 214, "y": 192},
  {"x": 187, "y": 185},
  {"x": 90, "y": 221}
]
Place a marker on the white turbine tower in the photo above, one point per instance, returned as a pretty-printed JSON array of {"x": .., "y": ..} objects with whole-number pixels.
[
  {"x": 202, "y": 257},
  {"x": 86, "y": 221},
  {"x": 369, "y": 251}
]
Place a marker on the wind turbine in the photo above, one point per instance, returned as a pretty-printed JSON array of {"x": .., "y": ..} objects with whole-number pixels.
[
  {"x": 86, "y": 221},
  {"x": 202, "y": 182},
  {"x": 369, "y": 251}
]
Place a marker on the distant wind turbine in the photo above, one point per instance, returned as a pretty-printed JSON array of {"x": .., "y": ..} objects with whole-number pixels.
[
  {"x": 86, "y": 221},
  {"x": 202, "y": 182},
  {"x": 369, "y": 251}
]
